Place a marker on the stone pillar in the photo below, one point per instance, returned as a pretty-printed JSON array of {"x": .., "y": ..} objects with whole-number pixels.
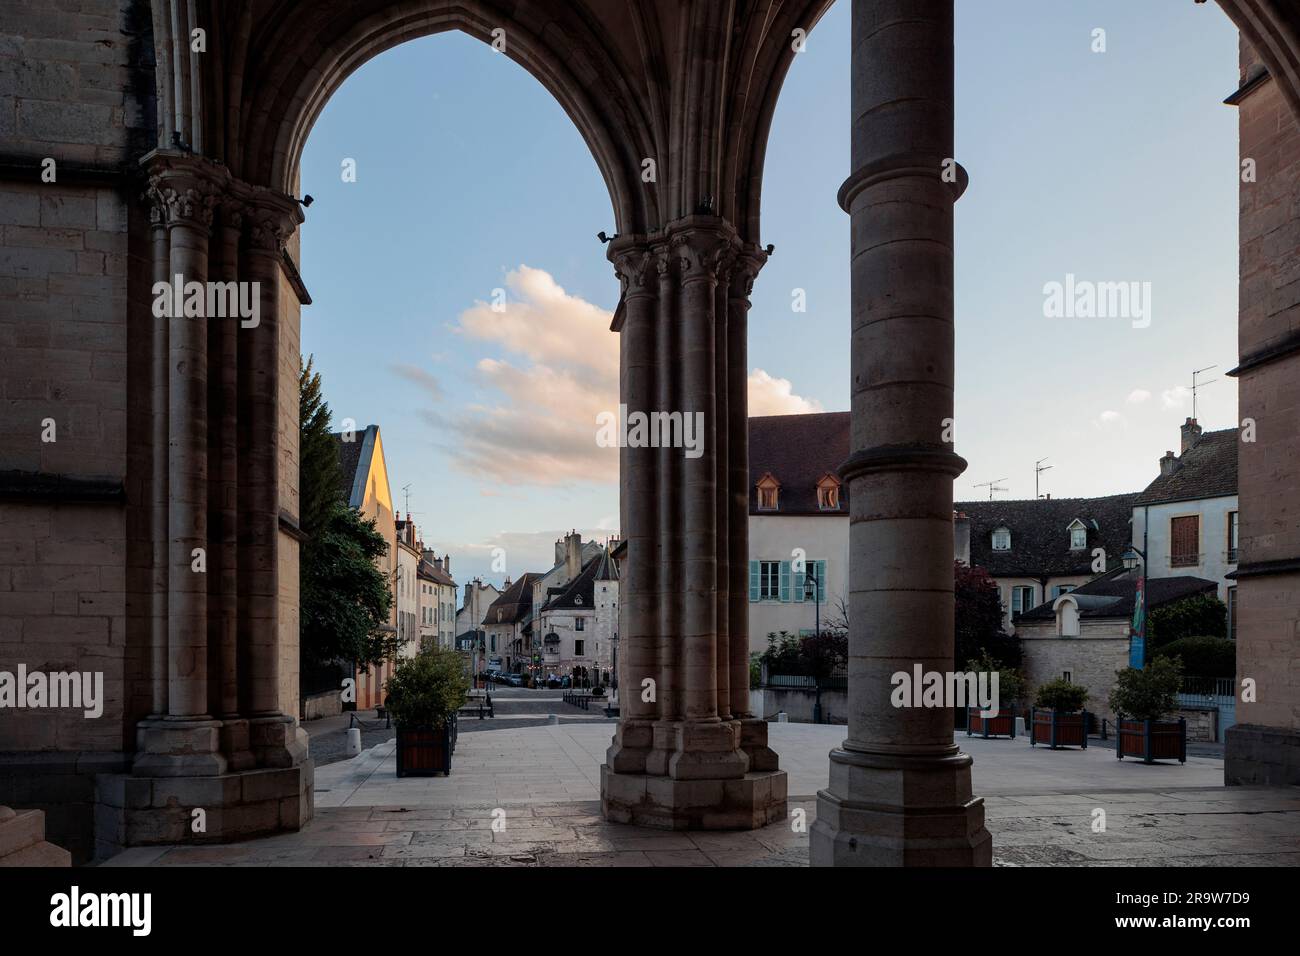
[
  {"x": 223, "y": 500},
  {"x": 900, "y": 789},
  {"x": 275, "y": 738},
  {"x": 159, "y": 365},
  {"x": 677, "y": 759},
  {"x": 186, "y": 741}
]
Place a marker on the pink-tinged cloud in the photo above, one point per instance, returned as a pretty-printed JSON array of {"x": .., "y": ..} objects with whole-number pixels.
[{"x": 557, "y": 371}]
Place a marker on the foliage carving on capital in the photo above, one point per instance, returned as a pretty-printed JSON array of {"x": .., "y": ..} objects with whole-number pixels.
[
  {"x": 744, "y": 271},
  {"x": 703, "y": 254},
  {"x": 177, "y": 202},
  {"x": 633, "y": 269}
]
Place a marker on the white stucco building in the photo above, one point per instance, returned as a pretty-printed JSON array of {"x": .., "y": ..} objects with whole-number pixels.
[
  {"x": 1186, "y": 520},
  {"x": 578, "y": 623},
  {"x": 406, "y": 590},
  {"x": 437, "y": 600}
]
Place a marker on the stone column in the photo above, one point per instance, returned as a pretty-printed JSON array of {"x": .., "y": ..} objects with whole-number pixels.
[
  {"x": 900, "y": 789},
  {"x": 680, "y": 515},
  {"x": 224, "y": 499},
  {"x": 275, "y": 738},
  {"x": 185, "y": 741},
  {"x": 638, "y": 509},
  {"x": 158, "y": 479},
  {"x": 753, "y": 729}
]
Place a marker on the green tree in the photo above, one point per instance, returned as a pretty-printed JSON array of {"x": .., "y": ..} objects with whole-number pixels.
[
  {"x": 345, "y": 598},
  {"x": 319, "y": 474},
  {"x": 1202, "y": 615},
  {"x": 977, "y": 621}
]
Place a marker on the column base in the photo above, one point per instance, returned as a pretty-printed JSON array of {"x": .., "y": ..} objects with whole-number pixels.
[
  {"x": 235, "y": 746},
  {"x": 179, "y": 748},
  {"x": 134, "y": 810},
  {"x": 899, "y": 810},
  {"x": 753, "y": 741},
  {"x": 748, "y": 802},
  {"x": 277, "y": 741},
  {"x": 1257, "y": 755}
]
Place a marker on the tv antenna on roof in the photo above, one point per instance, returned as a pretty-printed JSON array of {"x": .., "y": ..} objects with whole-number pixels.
[
  {"x": 992, "y": 486},
  {"x": 1196, "y": 385},
  {"x": 406, "y": 489},
  {"x": 1039, "y": 468}
]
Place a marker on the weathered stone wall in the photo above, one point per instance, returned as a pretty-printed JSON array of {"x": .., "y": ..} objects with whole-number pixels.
[
  {"x": 76, "y": 88},
  {"x": 1268, "y": 611},
  {"x": 1092, "y": 658}
]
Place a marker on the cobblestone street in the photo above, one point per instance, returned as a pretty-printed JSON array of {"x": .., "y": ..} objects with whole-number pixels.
[{"x": 540, "y": 785}]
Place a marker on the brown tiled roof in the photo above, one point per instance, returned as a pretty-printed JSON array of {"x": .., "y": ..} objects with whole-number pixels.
[
  {"x": 798, "y": 450},
  {"x": 515, "y": 603},
  {"x": 1206, "y": 470},
  {"x": 431, "y": 572},
  {"x": 1113, "y": 594},
  {"x": 1040, "y": 543}
]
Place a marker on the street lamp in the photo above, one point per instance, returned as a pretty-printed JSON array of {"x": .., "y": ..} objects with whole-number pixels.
[{"x": 1131, "y": 558}]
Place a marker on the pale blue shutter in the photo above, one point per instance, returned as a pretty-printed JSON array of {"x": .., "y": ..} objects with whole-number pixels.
[
  {"x": 800, "y": 582},
  {"x": 821, "y": 582},
  {"x": 785, "y": 581},
  {"x": 753, "y": 581}
]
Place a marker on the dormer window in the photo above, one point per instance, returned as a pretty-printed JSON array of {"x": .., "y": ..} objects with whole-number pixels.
[
  {"x": 1078, "y": 535},
  {"x": 828, "y": 493},
  {"x": 1002, "y": 539},
  {"x": 767, "y": 489}
]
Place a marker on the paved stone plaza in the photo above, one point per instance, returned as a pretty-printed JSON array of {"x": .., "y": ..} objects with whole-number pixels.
[{"x": 1039, "y": 807}]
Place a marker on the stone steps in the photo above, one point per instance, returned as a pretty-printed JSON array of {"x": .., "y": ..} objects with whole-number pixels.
[{"x": 22, "y": 840}]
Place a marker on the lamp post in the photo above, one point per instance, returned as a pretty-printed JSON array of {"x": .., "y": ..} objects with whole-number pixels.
[{"x": 810, "y": 577}]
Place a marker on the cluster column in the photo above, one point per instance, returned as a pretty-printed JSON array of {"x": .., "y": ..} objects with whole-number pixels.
[
  {"x": 681, "y": 756},
  {"x": 900, "y": 789}
]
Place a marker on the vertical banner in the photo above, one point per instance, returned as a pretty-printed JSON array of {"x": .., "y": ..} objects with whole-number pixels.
[{"x": 1138, "y": 639}]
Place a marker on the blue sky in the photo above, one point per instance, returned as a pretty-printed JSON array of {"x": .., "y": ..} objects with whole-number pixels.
[{"x": 1114, "y": 166}]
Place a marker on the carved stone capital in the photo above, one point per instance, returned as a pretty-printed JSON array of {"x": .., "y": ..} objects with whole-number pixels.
[
  {"x": 183, "y": 189},
  {"x": 270, "y": 220},
  {"x": 702, "y": 247},
  {"x": 634, "y": 266},
  {"x": 744, "y": 270}
]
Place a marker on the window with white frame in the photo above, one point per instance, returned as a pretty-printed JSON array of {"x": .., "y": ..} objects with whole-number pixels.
[
  {"x": 1078, "y": 536},
  {"x": 769, "y": 580},
  {"x": 1022, "y": 598},
  {"x": 1002, "y": 539}
]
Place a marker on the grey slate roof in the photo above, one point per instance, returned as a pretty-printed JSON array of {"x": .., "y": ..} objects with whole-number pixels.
[
  {"x": 1040, "y": 543},
  {"x": 354, "y": 457},
  {"x": 515, "y": 603},
  {"x": 1206, "y": 470},
  {"x": 581, "y": 591},
  {"x": 1112, "y": 594},
  {"x": 798, "y": 450}
]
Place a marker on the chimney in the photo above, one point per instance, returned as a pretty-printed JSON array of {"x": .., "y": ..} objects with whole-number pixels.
[
  {"x": 572, "y": 555},
  {"x": 961, "y": 537},
  {"x": 1191, "y": 434},
  {"x": 446, "y": 563},
  {"x": 1168, "y": 464}
]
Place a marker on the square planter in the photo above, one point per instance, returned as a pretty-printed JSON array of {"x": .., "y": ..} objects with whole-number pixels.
[
  {"x": 425, "y": 751},
  {"x": 1151, "y": 739},
  {"x": 1058, "y": 729},
  {"x": 1003, "y": 725}
]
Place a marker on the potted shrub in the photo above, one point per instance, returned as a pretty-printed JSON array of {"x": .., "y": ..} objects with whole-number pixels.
[
  {"x": 423, "y": 697},
  {"x": 597, "y": 691},
  {"x": 1057, "y": 717},
  {"x": 1010, "y": 687},
  {"x": 1142, "y": 700}
]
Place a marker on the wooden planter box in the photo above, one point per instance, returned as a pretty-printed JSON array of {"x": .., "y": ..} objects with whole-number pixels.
[
  {"x": 1151, "y": 739},
  {"x": 1058, "y": 730},
  {"x": 425, "y": 751},
  {"x": 1003, "y": 725}
]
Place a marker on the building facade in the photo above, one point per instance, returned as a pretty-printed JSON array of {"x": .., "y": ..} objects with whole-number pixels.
[
  {"x": 578, "y": 623},
  {"x": 437, "y": 599},
  {"x": 406, "y": 588},
  {"x": 1187, "y": 520}
]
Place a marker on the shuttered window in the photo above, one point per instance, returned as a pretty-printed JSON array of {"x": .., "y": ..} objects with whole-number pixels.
[{"x": 1184, "y": 541}]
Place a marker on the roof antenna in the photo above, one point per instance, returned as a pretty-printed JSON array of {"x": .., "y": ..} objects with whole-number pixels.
[
  {"x": 992, "y": 486},
  {"x": 1039, "y": 468},
  {"x": 1196, "y": 385}
]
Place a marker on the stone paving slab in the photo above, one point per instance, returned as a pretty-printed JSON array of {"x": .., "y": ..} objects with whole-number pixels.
[{"x": 544, "y": 784}]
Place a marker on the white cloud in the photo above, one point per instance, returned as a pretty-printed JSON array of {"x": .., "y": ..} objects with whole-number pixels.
[
  {"x": 1175, "y": 397},
  {"x": 1138, "y": 396},
  {"x": 1108, "y": 419},
  {"x": 558, "y": 370},
  {"x": 775, "y": 396}
]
